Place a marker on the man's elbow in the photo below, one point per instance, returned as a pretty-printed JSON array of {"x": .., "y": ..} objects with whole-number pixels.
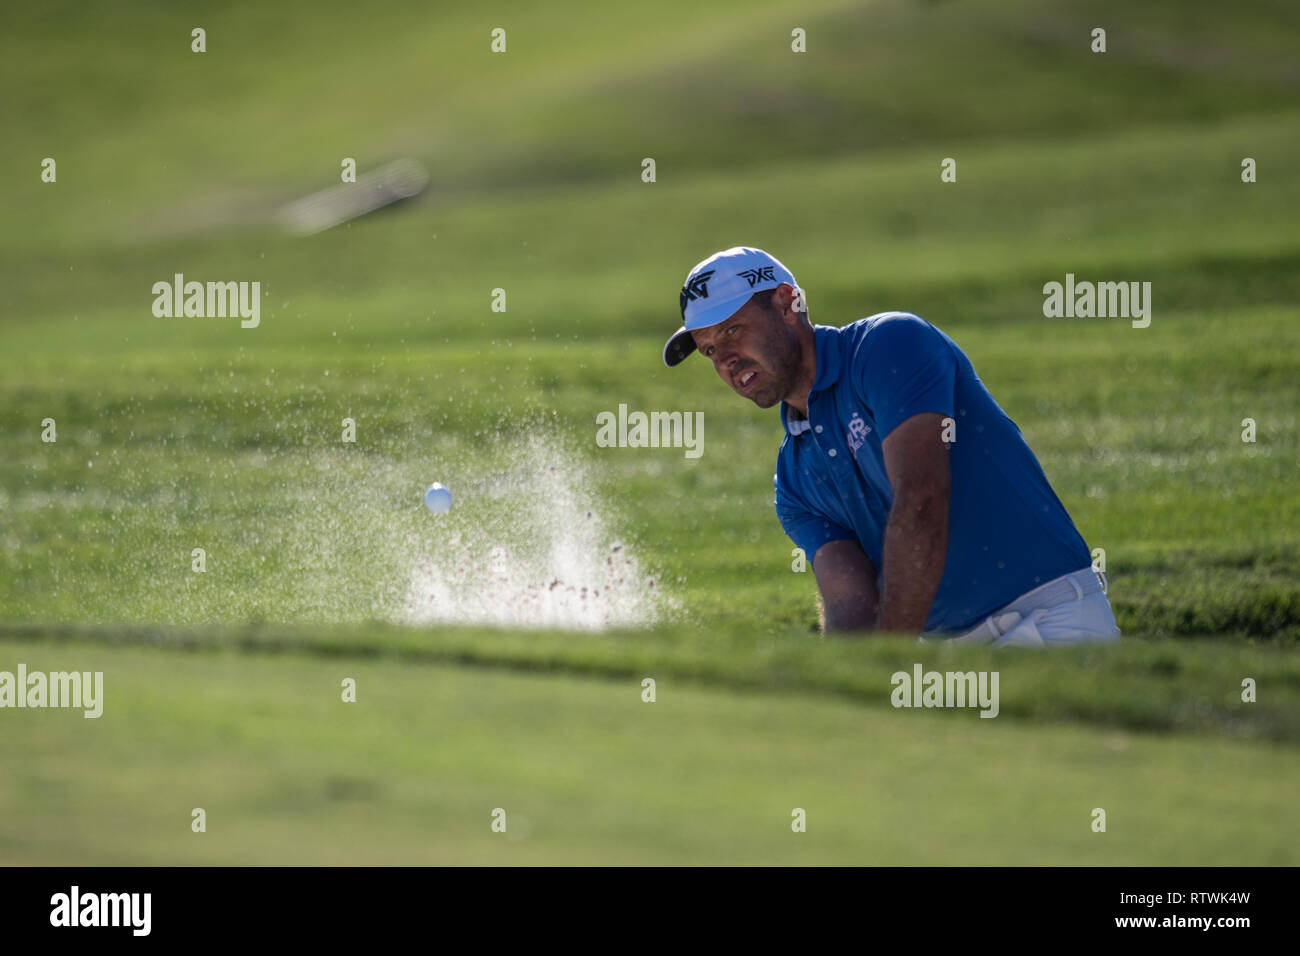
[
  {"x": 921, "y": 519},
  {"x": 928, "y": 500}
]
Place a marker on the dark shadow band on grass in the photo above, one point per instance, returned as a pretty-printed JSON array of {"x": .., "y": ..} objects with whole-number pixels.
[{"x": 1153, "y": 686}]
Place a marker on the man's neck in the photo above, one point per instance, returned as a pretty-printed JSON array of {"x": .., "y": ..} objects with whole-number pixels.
[{"x": 798, "y": 399}]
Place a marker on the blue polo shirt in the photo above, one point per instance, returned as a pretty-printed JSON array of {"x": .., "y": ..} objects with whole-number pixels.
[{"x": 1007, "y": 531}]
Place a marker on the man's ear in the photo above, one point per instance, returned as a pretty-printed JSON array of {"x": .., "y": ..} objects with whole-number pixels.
[{"x": 783, "y": 300}]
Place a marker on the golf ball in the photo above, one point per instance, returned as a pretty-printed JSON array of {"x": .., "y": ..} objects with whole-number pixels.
[{"x": 437, "y": 499}]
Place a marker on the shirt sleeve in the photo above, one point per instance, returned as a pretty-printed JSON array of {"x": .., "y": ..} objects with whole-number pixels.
[
  {"x": 902, "y": 367},
  {"x": 807, "y": 530}
]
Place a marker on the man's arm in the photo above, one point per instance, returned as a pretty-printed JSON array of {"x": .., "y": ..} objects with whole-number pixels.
[
  {"x": 846, "y": 579},
  {"x": 916, "y": 535}
]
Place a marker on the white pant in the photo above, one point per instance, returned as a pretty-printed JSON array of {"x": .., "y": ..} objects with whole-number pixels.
[{"x": 1071, "y": 609}]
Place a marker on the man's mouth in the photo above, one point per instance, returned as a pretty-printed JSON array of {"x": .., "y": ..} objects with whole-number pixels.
[{"x": 746, "y": 379}]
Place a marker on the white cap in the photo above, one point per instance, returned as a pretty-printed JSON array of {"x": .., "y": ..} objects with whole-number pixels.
[{"x": 718, "y": 288}]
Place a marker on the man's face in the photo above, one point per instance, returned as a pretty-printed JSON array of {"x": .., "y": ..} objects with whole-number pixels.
[{"x": 755, "y": 351}]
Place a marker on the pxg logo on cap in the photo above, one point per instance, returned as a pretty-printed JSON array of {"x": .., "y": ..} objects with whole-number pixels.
[{"x": 719, "y": 287}]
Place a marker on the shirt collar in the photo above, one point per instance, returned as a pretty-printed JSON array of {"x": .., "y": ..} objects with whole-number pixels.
[
  {"x": 827, "y": 339},
  {"x": 794, "y": 426}
]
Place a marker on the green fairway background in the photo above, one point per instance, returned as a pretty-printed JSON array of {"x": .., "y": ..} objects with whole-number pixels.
[{"x": 183, "y": 433}]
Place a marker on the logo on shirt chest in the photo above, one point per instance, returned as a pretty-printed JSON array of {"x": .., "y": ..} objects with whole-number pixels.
[{"x": 858, "y": 432}]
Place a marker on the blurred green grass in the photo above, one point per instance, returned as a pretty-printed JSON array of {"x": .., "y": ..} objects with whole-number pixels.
[
  {"x": 1119, "y": 166},
  {"x": 589, "y": 774},
  {"x": 1143, "y": 686}
]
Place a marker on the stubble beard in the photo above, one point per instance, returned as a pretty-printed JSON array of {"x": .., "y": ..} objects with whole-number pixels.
[{"x": 785, "y": 368}]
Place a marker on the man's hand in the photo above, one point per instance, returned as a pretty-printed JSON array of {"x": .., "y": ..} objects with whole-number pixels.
[
  {"x": 847, "y": 581},
  {"x": 916, "y": 537}
]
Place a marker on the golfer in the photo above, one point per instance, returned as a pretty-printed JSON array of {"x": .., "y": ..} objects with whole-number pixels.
[{"x": 917, "y": 499}]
